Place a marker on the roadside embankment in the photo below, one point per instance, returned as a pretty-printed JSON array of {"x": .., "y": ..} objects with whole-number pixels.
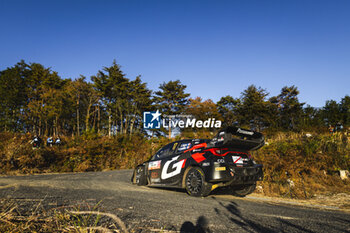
[{"x": 295, "y": 165}]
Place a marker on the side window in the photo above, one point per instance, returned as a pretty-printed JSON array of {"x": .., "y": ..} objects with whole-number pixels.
[
  {"x": 164, "y": 152},
  {"x": 184, "y": 146}
]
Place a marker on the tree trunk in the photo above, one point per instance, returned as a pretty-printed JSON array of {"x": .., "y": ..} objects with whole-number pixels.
[
  {"x": 78, "y": 128},
  {"x": 169, "y": 128},
  {"x": 121, "y": 125},
  {"x": 39, "y": 128},
  {"x": 98, "y": 119},
  {"x": 46, "y": 128},
  {"x": 73, "y": 131},
  {"x": 41, "y": 131},
  {"x": 109, "y": 125},
  {"x": 88, "y": 116},
  {"x": 121, "y": 120},
  {"x": 94, "y": 121},
  {"x": 126, "y": 124},
  {"x": 56, "y": 126},
  {"x": 132, "y": 125}
]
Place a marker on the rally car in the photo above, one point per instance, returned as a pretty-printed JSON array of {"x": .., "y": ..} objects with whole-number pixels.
[{"x": 201, "y": 165}]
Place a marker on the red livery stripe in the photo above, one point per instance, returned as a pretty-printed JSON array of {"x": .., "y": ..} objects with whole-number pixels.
[
  {"x": 196, "y": 147},
  {"x": 213, "y": 151},
  {"x": 183, "y": 164},
  {"x": 198, "y": 157}
]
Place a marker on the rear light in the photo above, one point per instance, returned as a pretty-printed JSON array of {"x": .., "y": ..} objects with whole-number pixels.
[
  {"x": 217, "y": 151},
  {"x": 226, "y": 151}
]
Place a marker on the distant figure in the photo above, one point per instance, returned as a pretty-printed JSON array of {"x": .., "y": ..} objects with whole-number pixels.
[
  {"x": 58, "y": 141},
  {"x": 36, "y": 142},
  {"x": 331, "y": 129},
  {"x": 339, "y": 127},
  {"x": 49, "y": 141}
]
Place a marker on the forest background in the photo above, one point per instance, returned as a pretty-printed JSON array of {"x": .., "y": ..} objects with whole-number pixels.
[{"x": 100, "y": 122}]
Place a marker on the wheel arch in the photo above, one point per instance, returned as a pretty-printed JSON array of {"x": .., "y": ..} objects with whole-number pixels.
[
  {"x": 185, "y": 173},
  {"x": 144, "y": 171}
]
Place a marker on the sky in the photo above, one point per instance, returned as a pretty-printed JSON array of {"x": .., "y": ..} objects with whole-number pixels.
[{"x": 216, "y": 48}]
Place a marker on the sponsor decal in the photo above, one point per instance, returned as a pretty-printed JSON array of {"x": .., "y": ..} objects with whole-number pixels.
[
  {"x": 206, "y": 164},
  {"x": 184, "y": 146},
  {"x": 155, "y": 180},
  {"x": 202, "y": 145},
  {"x": 239, "y": 159},
  {"x": 242, "y": 131},
  {"x": 154, "y": 175},
  {"x": 220, "y": 169},
  {"x": 221, "y": 160},
  {"x": 154, "y": 165},
  {"x": 174, "y": 146},
  {"x": 153, "y": 120},
  {"x": 177, "y": 166},
  {"x": 196, "y": 141}
]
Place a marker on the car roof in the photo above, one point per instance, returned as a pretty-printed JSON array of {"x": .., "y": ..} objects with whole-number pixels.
[{"x": 186, "y": 140}]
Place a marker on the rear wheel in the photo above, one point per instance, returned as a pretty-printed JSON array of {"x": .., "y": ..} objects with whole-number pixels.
[
  {"x": 244, "y": 190},
  {"x": 139, "y": 176},
  {"x": 195, "y": 183}
]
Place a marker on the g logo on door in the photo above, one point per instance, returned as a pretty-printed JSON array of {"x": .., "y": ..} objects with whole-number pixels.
[{"x": 177, "y": 166}]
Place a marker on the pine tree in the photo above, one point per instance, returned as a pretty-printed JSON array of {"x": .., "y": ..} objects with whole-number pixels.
[
  {"x": 290, "y": 109},
  {"x": 331, "y": 113},
  {"x": 171, "y": 99},
  {"x": 345, "y": 110},
  {"x": 254, "y": 109},
  {"x": 227, "y": 107}
]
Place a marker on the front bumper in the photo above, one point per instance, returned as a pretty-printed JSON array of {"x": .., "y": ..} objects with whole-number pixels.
[{"x": 235, "y": 175}]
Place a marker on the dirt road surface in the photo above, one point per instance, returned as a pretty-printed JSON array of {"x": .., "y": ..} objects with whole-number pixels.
[{"x": 145, "y": 209}]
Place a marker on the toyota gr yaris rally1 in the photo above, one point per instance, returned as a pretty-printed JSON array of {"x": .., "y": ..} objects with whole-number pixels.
[{"x": 201, "y": 165}]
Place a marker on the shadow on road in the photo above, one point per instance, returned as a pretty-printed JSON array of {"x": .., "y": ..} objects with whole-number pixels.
[
  {"x": 237, "y": 218},
  {"x": 172, "y": 189},
  {"x": 250, "y": 224},
  {"x": 200, "y": 227},
  {"x": 218, "y": 191}
]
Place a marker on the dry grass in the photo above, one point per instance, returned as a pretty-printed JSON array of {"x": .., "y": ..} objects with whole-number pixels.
[
  {"x": 302, "y": 167},
  {"x": 75, "y": 155},
  {"x": 63, "y": 219},
  {"x": 310, "y": 163}
]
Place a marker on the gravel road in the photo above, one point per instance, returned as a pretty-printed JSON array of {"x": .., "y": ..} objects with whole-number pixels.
[{"x": 145, "y": 209}]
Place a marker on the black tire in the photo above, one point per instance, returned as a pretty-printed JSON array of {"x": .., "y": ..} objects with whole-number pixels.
[
  {"x": 195, "y": 183},
  {"x": 243, "y": 190},
  {"x": 139, "y": 177}
]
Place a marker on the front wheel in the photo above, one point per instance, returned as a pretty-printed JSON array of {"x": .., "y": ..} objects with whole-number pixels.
[
  {"x": 244, "y": 190},
  {"x": 195, "y": 183},
  {"x": 139, "y": 176}
]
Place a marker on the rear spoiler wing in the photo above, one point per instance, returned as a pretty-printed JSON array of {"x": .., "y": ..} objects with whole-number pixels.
[{"x": 238, "y": 138}]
